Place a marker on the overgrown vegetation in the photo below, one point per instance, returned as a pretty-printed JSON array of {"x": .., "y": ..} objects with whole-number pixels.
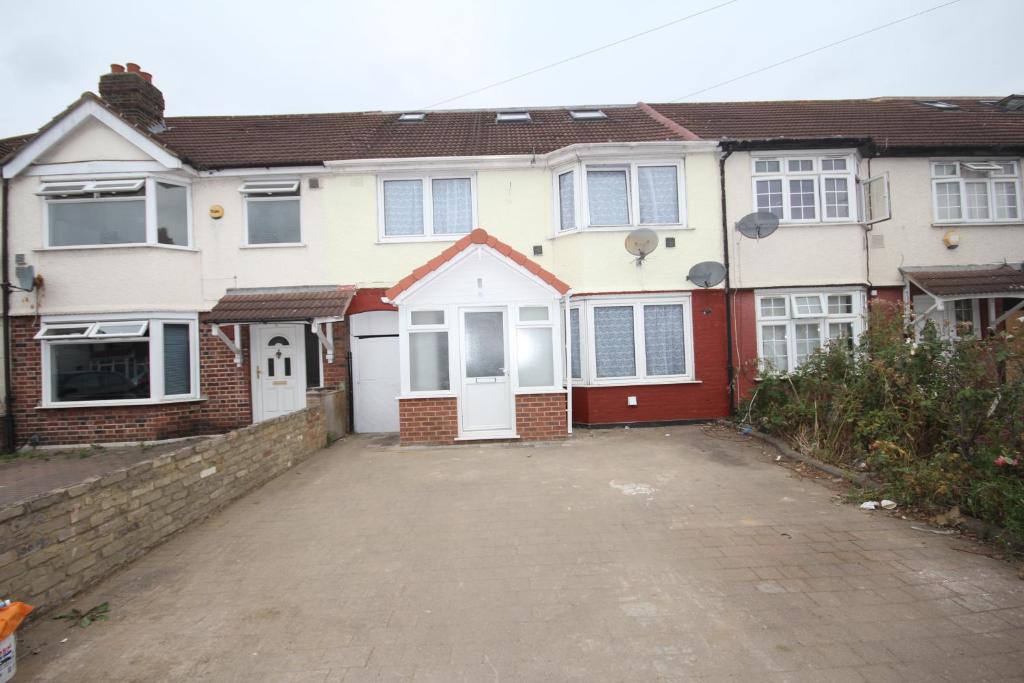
[{"x": 940, "y": 422}]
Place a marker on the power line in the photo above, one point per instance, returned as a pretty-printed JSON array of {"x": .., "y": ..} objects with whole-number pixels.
[
  {"x": 582, "y": 54},
  {"x": 817, "y": 49}
]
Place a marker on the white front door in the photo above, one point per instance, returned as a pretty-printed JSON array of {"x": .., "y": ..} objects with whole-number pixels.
[
  {"x": 278, "y": 370},
  {"x": 485, "y": 406},
  {"x": 376, "y": 382}
]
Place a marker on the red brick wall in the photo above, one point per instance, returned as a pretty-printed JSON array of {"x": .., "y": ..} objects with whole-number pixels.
[
  {"x": 336, "y": 373},
  {"x": 670, "y": 402},
  {"x": 541, "y": 417},
  {"x": 226, "y": 386},
  {"x": 428, "y": 420}
]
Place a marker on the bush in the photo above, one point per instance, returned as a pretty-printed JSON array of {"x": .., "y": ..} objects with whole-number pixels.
[{"x": 941, "y": 422}]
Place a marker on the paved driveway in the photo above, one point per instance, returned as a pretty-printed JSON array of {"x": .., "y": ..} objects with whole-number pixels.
[{"x": 645, "y": 554}]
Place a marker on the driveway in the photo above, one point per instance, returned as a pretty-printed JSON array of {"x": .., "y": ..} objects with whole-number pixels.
[{"x": 677, "y": 554}]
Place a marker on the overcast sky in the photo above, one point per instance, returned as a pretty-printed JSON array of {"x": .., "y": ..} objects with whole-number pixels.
[{"x": 274, "y": 56}]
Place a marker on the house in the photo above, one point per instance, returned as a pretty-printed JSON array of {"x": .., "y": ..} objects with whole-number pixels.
[
  {"x": 201, "y": 273},
  {"x": 463, "y": 274},
  {"x": 909, "y": 200}
]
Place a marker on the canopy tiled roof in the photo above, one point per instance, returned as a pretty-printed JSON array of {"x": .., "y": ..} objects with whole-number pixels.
[
  {"x": 279, "y": 304},
  {"x": 1003, "y": 280},
  {"x": 888, "y": 122},
  {"x": 478, "y": 236}
]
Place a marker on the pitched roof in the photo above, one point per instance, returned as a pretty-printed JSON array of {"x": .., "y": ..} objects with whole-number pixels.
[
  {"x": 276, "y": 304},
  {"x": 478, "y": 236},
  {"x": 888, "y": 122},
  {"x": 8, "y": 145},
  {"x": 963, "y": 281}
]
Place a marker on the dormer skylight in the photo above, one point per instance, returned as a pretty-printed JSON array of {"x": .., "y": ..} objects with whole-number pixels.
[
  {"x": 412, "y": 116},
  {"x": 513, "y": 117},
  {"x": 1011, "y": 103},
  {"x": 587, "y": 114},
  {"x": 940, "y": 104}
]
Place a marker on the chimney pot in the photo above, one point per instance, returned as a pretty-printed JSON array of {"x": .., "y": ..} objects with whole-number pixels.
[
  {"x": 116, "y": 69},
  {"x": 133, "y": 67},
  {"x": 148, "y": 76}
]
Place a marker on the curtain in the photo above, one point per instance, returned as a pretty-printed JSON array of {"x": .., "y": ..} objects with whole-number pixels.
[
  {"x": 613, "y": 341},
  {"x": 659, "y": 194},
  {"x": 566, "y": 201},
  {"x": 403, "y": 207},
  {"x": 453, "y": 205},
  {"x": 273, "y": 221},
  {"x": 574, "y": 340},
  {"x": 663, "y": 340},
  {"x": 608, "y": 197},
  {"x": 177, "y": 360}
]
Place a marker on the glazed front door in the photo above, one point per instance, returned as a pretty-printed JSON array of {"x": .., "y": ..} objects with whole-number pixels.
[
  {"x": 485, "y": 407},
  {"x": 279, "y": 370}
]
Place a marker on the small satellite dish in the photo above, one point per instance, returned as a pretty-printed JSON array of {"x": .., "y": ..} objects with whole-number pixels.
[
  {"x": 26, "y": 277},
  {"x": 757, "y": 225},
  {"x": 706, "y": 274},
  {"x": 641, "y": 242}
]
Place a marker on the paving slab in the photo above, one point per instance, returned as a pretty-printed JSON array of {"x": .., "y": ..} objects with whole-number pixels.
[{"x": 656, "y": 554}]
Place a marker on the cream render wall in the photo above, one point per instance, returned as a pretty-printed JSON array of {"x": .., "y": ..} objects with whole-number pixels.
[
  {"x": 819, "y": 254},
  {"x": 92, "y": 141}
]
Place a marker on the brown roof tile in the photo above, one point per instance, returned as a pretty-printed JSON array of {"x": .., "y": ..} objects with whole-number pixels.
[
  {"x": 281, "y": 304},
  {"x": 1001, "y": 280}
]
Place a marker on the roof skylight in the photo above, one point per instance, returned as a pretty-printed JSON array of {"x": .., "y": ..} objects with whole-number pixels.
[
  {"x": 939, "y": 104},
  {"x": 412, "y": 116},
  {"x": 587, "y": 114},
  {"x": 512, "y": 117}
]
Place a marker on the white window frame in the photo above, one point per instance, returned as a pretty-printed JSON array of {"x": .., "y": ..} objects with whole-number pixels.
[
  {"x": 95, "y": 185},
  {"x": 405, "y": 331},
  {"x": 962, "y": 182},
  {"x": 428, "y": 205},
  {"x": 554, "y": 323},
  {"x": 581, "y": 191},
  {"x": 792, "y": 318},
  {"x": 154, "y": 326},
  {"x": 270, "y": 190},
  {"x": 588, "y": 340},
  {"x": 816, "y": 174}
]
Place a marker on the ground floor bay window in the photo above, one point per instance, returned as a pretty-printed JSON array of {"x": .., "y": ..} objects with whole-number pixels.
[
  {"x": 793, "y": 324},
  {"x": 119, "y": 360}
]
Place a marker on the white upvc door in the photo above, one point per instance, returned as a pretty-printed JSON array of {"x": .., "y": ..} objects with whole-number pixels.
[
  {"x": 486, "y": 408},
  {"x": 278, "y": 370},
  {"x": 376, "y": 383}
]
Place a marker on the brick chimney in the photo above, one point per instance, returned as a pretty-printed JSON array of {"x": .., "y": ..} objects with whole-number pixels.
[{"x": 130, "y": 90}]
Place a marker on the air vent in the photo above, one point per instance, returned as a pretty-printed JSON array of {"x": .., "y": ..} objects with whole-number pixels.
[
  {"x": 939, "y": 104},
  {"x": 513, "y": 117},
  {"x": 412, "y": 116},
  {"x": 587, "y": 114}
]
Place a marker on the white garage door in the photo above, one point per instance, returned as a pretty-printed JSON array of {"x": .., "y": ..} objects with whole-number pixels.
[{"x": 375, "y": 379}]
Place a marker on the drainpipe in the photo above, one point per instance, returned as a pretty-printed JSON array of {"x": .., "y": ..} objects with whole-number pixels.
[
  {"x": 10, "y": 441},
  {"x": 568, "y": 364},
  {"x": 729, "y": 366}
]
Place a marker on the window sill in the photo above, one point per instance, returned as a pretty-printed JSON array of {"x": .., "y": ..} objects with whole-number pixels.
[
  {"x": 93, "y": 247},
  {"x": 662, "y": 227},
  {"x": 275, "y": 245},
  {"x": 527, "y": 391},
  {"x": 126, "y": 404},
  {"x": 427, "y": 394},
  {"x": 412, "y": 239},
  {"x": 635, "y": 382},
  {"x": 977, "y": 224},
  {"x": 818, "y": 224}
]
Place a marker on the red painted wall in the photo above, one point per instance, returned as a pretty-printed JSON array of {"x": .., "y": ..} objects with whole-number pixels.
[
  {"x": 368, "y": 299},
  {"x": 669, "y": 402}
]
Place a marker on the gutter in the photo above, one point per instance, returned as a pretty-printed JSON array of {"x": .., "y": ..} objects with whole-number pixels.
[
  {"x": 10, "y": 442},
  {"x": 729, "y": 365}
]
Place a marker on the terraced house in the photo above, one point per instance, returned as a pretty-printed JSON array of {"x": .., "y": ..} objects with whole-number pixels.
[{"x": 463, "y": 273}]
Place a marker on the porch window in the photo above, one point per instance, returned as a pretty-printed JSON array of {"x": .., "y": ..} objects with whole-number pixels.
[
  {"x": 426, "y": 206},
  {"x": 791, "y": 326},
  {"x": 976, "y": 191},
  {"x": 805, "y": 189},
  {"x": 535, "y": 346},
  {"x": 636, "y": 341},
  {"x": 118, "y": 362},
  {"x": 272, "y": 212},
  {"x": 137, "y": 211},
  {"x": 428, "y": 361}
]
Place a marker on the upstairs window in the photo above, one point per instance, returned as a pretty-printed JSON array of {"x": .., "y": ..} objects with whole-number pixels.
[
  {"x": 618, "y": 196},
  {"x": 132, "y": 211},
  {"x": 805, "y": 189},
  {"x": 976, "y": 191},
  {"x": 430, "y": 206},
  {"x": 272, "y": 212}
]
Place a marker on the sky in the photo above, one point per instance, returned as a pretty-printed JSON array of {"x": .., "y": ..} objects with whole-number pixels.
[{"x": 214, "y": 57}]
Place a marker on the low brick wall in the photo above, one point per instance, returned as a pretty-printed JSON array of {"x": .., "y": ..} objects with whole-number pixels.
[
  {"x": 57, "y": 544},
  {"x": 541, "y": 417},
  {"x": 426, "y": 421}
]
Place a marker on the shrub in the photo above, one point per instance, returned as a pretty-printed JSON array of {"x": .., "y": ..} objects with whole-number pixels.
[{"x": 941, "y": 422}]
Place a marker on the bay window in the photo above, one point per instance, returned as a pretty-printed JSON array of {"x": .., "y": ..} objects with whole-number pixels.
[
  {"x": 618, "y": 195},
  {"x": 805, "y": 188},
  {"x": 125, "y": 211},
  {"x": 793, "y": 325},
  {"x": 426, "y": 206},
  {"x": 113, "y": 362},
  {"x": 976, "y": 191},
  {"x": 272, "y": 212},
  {"x": 633, "y": 341}
]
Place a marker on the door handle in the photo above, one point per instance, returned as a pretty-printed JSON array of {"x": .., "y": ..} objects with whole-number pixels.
[{"x": 259, "y": 372}]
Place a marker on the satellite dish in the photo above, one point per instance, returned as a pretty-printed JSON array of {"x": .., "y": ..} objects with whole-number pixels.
[
  {"x": 706, "y": 274},
  {"x": 757, "y": 225},
  {"x": 641, "y": 242},
  {"x": 26, "y": 277}
]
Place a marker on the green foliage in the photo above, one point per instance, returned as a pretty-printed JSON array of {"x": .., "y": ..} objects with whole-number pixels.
[
  {"x": 77, "y": 617},
  {"x": 941, "y": 422}
]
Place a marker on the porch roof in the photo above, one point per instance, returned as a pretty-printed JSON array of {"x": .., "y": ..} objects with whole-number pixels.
[
  {"x": 958, "y": 283},
  {"x": 280, "y": 304}
]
